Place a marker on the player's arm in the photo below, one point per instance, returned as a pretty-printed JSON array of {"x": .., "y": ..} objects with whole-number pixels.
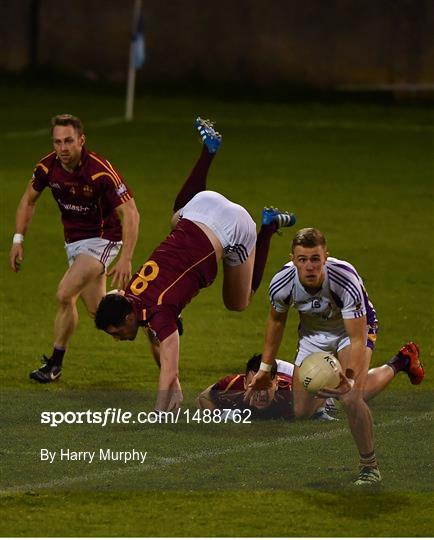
[
  {"x": 24, "y": 215},
  {"x": 273, "y": 338},
  {"x": 154, "y": 345},
  {"x": 357, "y": 332},
  {"x": 169, "y": 395},
  {"x": 204, "y": 399},
  {"x": 130, "y": 218}
]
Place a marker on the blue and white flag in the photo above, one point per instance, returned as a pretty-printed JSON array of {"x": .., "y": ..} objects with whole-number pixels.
[{"x": 139, "y": 43}]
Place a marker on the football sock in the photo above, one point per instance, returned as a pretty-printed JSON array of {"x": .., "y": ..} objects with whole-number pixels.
[
  {"x": 57, "y": 356},
  {"x": 196, "y": 182},
  {"x": 398, "y": 363},
  {"x": 368, "y": 460},
  {"x": 262, "y": 246}
]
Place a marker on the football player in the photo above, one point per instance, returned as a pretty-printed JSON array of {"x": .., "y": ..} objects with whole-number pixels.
[
  {"x": 276, "y": 401},
  {"x": 335, "y": 316},
  {"x": 208, "y": 228},
  {"x": 93, "y": 199}
]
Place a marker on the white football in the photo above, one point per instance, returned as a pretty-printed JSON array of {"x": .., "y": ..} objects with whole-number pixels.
[{"x": 319, "y": 370}]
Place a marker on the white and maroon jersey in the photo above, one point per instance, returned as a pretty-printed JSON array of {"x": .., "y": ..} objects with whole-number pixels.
[{"x": 342, "y": 296}]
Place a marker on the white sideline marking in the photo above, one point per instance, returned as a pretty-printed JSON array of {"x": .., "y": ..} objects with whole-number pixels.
[
  {"x": 164, "y": 462},
  {"x": 46, "y": 131}
]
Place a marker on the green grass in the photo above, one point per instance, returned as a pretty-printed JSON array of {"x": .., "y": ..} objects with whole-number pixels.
[{"x": 360, "y": 172}]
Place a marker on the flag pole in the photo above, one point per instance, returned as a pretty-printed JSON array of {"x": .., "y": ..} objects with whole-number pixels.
[{"x": 132, "y": 66}]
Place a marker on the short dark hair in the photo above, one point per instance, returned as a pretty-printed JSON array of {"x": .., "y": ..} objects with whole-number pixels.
[
  {"x": 309, "y": 237},
  {"x": 112, "y": 311},
  {"x": 254, "y": 363},
  {"x": 67, "y": 120}
]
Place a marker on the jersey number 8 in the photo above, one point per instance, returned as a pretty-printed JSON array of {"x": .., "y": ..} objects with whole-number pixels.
[{"x": 141, "y": 282}]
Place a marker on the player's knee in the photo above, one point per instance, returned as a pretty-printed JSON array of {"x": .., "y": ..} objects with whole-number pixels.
[
  {"x": 236, "y": 304},
  {"x": 352, "y": 401},
  {"x": 232, "y": 306},
  {"x": 64, "y": 296},
  {"x": 301, "y": 411},
  {"x": 91, "y": 311}
]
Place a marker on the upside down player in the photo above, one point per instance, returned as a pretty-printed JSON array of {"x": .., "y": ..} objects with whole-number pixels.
[
  {"x": 335, "y": 316},
  {"x": 276, "y": 401},
  {"x": 207, "y": 228},
  {"x": 93, "y": 199}
]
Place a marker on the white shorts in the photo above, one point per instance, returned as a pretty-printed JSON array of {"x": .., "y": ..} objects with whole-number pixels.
[
  {"x": 230, "y": 222},
  {"x": 285, "y": 367},
  {"x": 103, "y": 250},
  {"x": 308, "y": 344}
]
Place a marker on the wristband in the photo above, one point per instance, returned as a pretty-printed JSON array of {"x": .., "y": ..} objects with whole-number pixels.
[
  {"x": 18, "y": 238},
  {"x": 265, "y": 367}
]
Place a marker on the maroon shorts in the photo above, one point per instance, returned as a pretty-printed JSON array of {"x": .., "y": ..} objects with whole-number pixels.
[{"x": 182, "y": 264}]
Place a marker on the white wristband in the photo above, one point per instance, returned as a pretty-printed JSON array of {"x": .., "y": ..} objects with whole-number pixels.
[
  {"x": 265, "y": 367},
  {"x": 18, "y": 238}
]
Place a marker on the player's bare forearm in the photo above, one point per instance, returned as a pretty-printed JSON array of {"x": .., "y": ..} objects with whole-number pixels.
[
  {"x": 130, "y": 228},
  {"x": 130, "y": 217},
  {"x": 26, "y": 209},
  {"x": 23, "y": 218},
  {"x": 168, "y": 380},
  {"x": 357, "y": 332},
  {"x": 274, "y": 331}
]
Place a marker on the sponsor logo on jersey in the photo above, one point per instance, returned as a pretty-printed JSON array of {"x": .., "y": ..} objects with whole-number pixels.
[
  {"x": 121, "y": 190},
  {"x": 75, "y": 207},
  {"x": 54, "y": 185},
  {"x": 87, "y": 191}
]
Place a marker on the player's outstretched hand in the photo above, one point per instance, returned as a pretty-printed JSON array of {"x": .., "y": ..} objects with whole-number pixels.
[
  {"x": 176, "y": 399},
  {"x": 346, "y": 384},
  {"x": 16, "y": 256},
  {"x": 121, "y": 273},
  {"x": 260, "y": 381}
]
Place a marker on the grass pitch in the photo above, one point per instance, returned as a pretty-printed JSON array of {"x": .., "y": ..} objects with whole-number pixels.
[{"x": 363, "y": 174}]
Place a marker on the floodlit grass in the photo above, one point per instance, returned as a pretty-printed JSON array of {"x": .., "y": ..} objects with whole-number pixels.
[{"x": 363, "y": 174}]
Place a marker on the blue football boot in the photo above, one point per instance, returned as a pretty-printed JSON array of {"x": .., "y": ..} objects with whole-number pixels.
[{"x": 210, "y": 137}]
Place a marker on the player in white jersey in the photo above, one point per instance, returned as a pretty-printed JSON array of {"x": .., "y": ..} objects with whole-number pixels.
[
  {"x": 335, "y": 316},
  {"x": 322, "y": 314}
]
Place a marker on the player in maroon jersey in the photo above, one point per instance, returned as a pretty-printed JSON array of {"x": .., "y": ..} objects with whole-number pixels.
[
  {"x": 207, "y": 228},
  {"x": 273, "y": 402},
  {"x": 276, "y": 401},
  {"x": 93, "y": 199}
]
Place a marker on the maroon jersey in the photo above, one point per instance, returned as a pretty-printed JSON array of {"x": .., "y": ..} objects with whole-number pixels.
[
  {"x": 87, "y": 197},
  {"x": 182, "y": 264},
  {"x": 228, "y": 393}
]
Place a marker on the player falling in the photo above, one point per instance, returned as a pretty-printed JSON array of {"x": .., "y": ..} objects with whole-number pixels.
[{"x": 207, "y": 228}]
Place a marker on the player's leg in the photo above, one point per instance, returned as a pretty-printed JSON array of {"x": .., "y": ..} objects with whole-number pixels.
[
  {"x": 237, "y": 283},
  {"x": 305, "y": 405},
  {"x": 93, "y": 293},
  {"x": 84, "y": 270},
  {"x": 407, "y": 360},
  {"x": 241, "y": 281},
  {"x": 360, "y": 420},
  {"x": 196, "y": 181},
  {"x": 272, "y": 220},
  {"x": 377, "y": 380}
]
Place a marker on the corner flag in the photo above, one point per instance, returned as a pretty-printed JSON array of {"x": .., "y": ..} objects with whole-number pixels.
[{"x": 137, "y": 56}]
